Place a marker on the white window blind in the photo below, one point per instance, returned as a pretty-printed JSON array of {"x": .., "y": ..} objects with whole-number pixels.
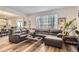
[{"x": 45, "y": 22}]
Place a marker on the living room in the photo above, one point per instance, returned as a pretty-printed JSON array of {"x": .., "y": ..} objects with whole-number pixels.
[{"x": 39, "y": 29}]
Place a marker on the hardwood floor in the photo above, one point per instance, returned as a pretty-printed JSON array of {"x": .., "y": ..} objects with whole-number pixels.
[{"x": 32, "y": 46}]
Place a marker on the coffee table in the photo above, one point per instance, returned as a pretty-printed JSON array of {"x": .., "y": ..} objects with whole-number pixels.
[{"x": 34, "y": 38}]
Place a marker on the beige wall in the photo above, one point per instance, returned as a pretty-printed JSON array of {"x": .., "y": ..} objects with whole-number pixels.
[
  {"x": 68, "y": 12},
  {"x": 11, "y": 21}
]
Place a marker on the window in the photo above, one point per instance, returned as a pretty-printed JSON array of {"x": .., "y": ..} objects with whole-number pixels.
[
  {"x": 20, "y": 23},
  {"x": 45, "y": 22}
]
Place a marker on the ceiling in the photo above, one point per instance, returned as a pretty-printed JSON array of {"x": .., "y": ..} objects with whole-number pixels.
[
  {"x": 32, "y": 9},
  {"x": 24, "y": 10}
]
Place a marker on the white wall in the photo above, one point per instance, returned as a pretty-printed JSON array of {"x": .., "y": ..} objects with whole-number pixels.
[{"x": 68, "y": 12}]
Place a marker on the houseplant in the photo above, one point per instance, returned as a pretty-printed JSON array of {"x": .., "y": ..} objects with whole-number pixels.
[{"x": 67, "y": 26}]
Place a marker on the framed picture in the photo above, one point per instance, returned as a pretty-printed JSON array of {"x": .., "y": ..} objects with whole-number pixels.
[{"x": 61, "y": 22}]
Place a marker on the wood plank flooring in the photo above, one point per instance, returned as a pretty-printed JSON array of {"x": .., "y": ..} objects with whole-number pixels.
[{"x": 32, "y": 46}]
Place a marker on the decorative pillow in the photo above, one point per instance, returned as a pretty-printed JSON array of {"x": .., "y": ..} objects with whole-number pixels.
[{"x": 31, "y": 31}]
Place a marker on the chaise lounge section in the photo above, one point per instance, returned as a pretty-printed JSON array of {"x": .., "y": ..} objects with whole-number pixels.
[{"x": 53, "y": 41}]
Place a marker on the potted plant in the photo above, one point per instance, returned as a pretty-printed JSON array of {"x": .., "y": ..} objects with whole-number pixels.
[{"x": 66, "y": 27}]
